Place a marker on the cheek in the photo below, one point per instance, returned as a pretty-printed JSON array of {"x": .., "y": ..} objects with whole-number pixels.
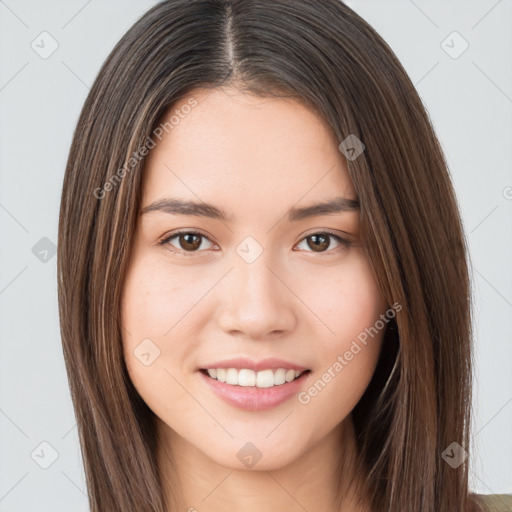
[
  {"x": 146, "y": 316},
  {"x": 161, "y": 313},
  {"x": 150, "y": 317},
  {"x": 145, "y": 299},
  {"x": 157, "y": 302},
  {"x": 351, "y": 309},
  {"x": 346, "y": 304}
]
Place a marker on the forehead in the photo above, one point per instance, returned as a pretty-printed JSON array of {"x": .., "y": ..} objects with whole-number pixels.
[{"x": 242, "y": 150}]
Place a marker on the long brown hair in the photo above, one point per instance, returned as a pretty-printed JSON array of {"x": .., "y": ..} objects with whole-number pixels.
[{"x": 323, "y": 53}]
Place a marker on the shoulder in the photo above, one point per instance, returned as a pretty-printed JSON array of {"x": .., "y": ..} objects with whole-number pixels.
[{"x": 495, "y": 502}]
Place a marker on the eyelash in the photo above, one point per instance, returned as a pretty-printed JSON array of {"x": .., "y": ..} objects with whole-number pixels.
[{"x": 344, "y": 243}]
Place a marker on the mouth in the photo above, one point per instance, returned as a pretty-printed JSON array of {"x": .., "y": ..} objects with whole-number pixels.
[
  {"x": 251, "y": 390},
  {"x": 247, "y": 378}
]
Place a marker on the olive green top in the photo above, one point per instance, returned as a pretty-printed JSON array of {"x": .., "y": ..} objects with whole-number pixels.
[{"x": 497, "y": 502}]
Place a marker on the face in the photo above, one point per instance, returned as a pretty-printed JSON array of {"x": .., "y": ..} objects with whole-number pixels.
[{"x": 256, "y": 288}]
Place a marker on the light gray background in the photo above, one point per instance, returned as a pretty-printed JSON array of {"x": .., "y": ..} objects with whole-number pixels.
[{"x": 469, "y": 99}]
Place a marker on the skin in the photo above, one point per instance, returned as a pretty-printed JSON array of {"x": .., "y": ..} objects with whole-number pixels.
[{"x": 255, "y": 158}]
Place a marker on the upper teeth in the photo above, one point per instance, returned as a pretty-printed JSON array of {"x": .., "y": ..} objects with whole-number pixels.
[{"x": 262, "y": 379}]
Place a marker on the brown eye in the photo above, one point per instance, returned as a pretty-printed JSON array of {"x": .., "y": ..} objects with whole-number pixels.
[
  {"x": 321, "y": 242},
  {"x": 187, "y": 241}
]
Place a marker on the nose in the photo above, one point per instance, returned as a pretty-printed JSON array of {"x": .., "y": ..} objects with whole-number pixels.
[{"x": 256, "y": 301}]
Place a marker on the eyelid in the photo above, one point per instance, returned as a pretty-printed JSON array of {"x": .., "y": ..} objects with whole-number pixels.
[{"x": 326, "y": 231}]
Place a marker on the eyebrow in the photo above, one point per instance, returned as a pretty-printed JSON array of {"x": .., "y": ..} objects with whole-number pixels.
[{"x": 180, "y": 207}]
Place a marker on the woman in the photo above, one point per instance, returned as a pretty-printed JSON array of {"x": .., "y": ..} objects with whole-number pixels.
[{"x": 263, "y": 286}]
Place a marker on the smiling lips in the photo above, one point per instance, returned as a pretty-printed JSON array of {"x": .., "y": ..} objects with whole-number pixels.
[{"x": 254, "y": 386}]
